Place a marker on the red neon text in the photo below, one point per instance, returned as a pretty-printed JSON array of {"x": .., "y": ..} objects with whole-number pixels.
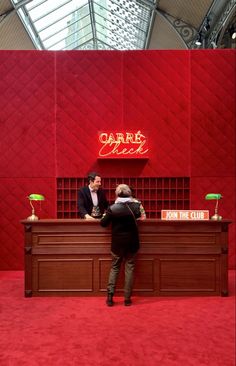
[{"x": 122, "y": 144}]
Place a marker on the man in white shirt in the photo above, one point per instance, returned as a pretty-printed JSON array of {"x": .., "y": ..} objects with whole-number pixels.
[{"x": 92, "y": 201}]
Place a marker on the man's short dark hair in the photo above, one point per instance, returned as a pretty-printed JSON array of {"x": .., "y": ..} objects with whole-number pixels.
[{"x": 92, "y": 176}]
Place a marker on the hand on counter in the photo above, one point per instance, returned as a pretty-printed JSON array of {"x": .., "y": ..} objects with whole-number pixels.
[{"x": 88, "y": 217}]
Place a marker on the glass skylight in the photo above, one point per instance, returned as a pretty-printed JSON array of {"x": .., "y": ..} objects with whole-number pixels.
[{"x": 87, "y": 24}]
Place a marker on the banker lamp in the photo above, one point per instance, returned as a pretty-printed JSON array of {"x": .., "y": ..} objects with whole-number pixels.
[
  {"x": 34, "y": 197},
  {"x": 216, "y": 197}
]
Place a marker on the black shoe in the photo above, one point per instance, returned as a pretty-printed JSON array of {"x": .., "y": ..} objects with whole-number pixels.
[
  {"x": 109, "y": 300},
  {"x": 127, "y": 302}
]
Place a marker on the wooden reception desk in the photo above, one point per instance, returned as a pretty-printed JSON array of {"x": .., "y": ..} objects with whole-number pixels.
[{"x": 72, "y": 258}]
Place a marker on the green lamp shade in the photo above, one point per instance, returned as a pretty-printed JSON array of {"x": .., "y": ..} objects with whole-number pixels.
[
  {"x": 213, "y": 196},
  {"x": 36, "y": 197}
]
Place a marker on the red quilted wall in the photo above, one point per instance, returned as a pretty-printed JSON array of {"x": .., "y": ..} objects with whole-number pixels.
[{"x": 53, "y": 104}]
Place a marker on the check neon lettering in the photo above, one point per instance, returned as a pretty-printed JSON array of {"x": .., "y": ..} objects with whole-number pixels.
[{"x": 122, "y": 144}]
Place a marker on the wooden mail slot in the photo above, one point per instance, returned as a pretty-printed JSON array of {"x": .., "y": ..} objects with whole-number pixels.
[{"x": 71, "y": 257}]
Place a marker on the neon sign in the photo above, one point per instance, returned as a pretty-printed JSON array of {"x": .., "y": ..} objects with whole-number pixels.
[{"x": 123, "y": 145}]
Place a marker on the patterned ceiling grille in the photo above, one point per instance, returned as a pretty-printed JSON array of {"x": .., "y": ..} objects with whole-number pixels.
[{"x": 87, "y": 24}]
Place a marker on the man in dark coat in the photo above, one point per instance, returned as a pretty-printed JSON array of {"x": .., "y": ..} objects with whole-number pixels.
[
  {"x": 125, "y": 240},
  {"x": 92, "y": 201}
]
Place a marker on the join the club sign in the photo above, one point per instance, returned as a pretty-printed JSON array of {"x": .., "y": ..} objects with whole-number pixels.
[{"x": 132, "y": 145}]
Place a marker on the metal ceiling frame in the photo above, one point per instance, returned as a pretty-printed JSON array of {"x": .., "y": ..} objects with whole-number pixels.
[
  {"x": 217, "y": 33},
  {"x": 121, "y": 38},
  {"x": 109, "y": 33},
  {"x": 184, "y": 30}
]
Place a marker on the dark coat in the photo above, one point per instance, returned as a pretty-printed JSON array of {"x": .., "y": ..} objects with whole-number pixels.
[
  {"x": 125, "y": 237},
  {"x": 85, "y": 203}
]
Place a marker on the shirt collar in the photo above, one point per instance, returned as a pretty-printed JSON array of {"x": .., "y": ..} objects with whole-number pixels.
[
  {"x": 92, "y": 190},
  {"x": 123, "y": 199}
]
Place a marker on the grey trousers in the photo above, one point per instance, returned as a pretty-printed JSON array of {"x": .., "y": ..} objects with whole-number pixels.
[{"x": 129, "y": 273}]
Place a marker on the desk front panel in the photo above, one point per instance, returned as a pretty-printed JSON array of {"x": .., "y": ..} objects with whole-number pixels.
[{"x": 72, "y": 258}]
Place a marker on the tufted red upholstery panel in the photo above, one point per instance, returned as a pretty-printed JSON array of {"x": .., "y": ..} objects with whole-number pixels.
[
  {"x": 53, "y": 104},
  {"x": 27, "y": 108},
  {"x": 89, "y": 99},
  {"x": 156, "y": 98},
  {"x": 213, "y": 113}
]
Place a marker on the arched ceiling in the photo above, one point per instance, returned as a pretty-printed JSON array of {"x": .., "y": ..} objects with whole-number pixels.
[{"x": 116, "y": 24}]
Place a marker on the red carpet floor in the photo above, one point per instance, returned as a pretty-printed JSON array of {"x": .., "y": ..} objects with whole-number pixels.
[{"x": 191, "y": 331}]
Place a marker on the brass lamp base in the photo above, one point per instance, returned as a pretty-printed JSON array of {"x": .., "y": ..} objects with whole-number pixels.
[
  {"x": 216, "y": 217},
  {"x": 33, "y": 217}
]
